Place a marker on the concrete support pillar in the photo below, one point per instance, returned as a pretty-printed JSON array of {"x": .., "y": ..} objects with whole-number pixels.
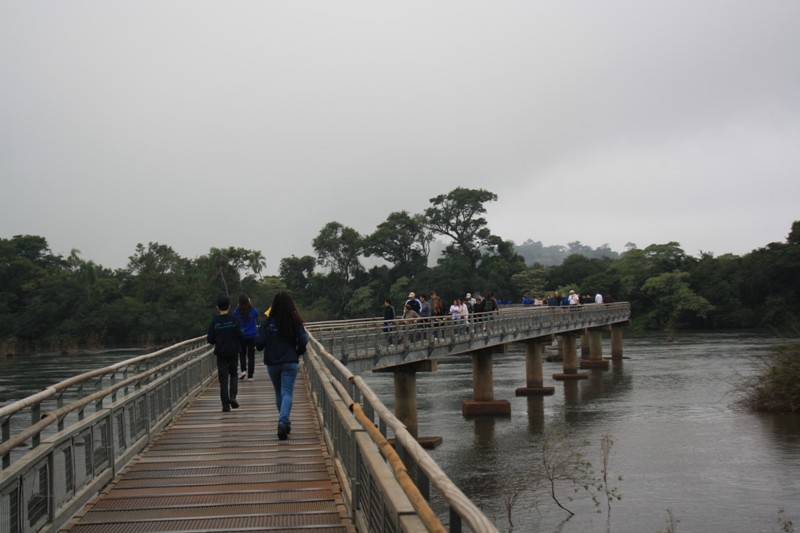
[
  {"x": 585, "y": 344},
  {"x": 616, "y": 342},
  {"x": 405, "y": 400},
  {"x": 405, "y": 397},
  {"x": 482, "y": 376},
  {"x": 483, "y": 402},
  {"x": 534, "y": 372},
  {"x": 595, "y": 351},
  {"x": 570, "y": 359}
]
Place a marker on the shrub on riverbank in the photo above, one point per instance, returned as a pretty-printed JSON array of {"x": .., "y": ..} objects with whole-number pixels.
[{"x": 776, "y": 388}]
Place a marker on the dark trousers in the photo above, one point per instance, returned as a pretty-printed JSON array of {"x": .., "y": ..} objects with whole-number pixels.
[
  {"x": 247, "y": 356},
  {"x": 228, "y": 380}
]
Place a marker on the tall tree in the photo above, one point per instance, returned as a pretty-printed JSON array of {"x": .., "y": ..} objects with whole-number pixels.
[
  {"x": 231, "y": 264},
  {"x": 338, "y": 248},
  {"x": 297, "y": 273},
  {"x": 402, "y": 240},
  {"x": 674, "y": 299},
  {"x": 458, "y": 215}
]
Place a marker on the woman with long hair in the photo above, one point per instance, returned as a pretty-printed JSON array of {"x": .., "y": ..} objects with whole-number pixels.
[
  {"x": 248, "y": 319},
  {"x": 283, "y": 339}
]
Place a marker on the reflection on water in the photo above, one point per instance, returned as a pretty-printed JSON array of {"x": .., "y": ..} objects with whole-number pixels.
[{"x": 679, "y": 442}]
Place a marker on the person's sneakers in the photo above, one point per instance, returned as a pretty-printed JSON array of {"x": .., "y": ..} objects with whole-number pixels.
[
  {"x": 250, "y": 378},
  {"x": 226, "y": 408},
  {"x": 234, "y": 404},
  {"x": 283, "y": 433},
  {"x": 242, "y": 375}
]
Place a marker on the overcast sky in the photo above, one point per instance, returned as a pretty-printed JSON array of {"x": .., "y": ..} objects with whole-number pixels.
[{"x": 200, "y": 124}]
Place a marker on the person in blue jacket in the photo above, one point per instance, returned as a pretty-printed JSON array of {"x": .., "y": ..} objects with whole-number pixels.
[
  {"x": 225, "y": 334},
  {"x": 248, "y": 318},
  {"x": 283, "y": 339}
]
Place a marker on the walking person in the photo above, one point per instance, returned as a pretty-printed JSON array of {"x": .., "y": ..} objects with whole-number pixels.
[
  {"x": 248, "y": 318},
  {"x": 388, "y": 320},
  {"x": 283, "y": 339},
  {"x": 225, "y": 334}
]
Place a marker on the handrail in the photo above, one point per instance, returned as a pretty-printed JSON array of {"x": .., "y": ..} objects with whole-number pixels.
[
  {"x": 59, "y": 474},
  {"x": 459, "y": 504},
  {"x": 417, "y": 500},
  {"x": 373, "y": 343},
  {"x": 53, "y": 416},
  {"x": 52, "y": 390}
]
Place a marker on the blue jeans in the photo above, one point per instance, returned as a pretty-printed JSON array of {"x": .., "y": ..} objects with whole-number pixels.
[{"x": 283, "y": 377}]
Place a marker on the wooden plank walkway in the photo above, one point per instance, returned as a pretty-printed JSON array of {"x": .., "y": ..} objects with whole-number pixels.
[{"x": 215, "y": 471}]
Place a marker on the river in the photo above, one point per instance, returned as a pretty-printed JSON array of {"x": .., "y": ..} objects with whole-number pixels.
[{"x": 680, "y": 445}]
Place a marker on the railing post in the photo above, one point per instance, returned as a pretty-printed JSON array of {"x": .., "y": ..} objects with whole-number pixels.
[
  {"x": 36, "y": 414},
  {"x": 455, "y": 522}
]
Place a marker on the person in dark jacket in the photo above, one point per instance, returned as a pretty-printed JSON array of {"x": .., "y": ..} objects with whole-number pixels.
[
  {"x": 283, "y": 339},
  {"x": 248, "y": 318},
  {"x": 225, "y": 334},
  {"x": 388, "y": 320}
]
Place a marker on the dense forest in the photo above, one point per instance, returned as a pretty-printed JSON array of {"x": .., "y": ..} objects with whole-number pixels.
[{"x": 49, "y": 302}]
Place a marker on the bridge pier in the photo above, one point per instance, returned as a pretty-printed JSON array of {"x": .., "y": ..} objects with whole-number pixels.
[
  {"x": 534, "y": 372},
  {"x": 405, "y": 397},
  {"x": 570, "y": 354},
  {"x": 483, "y": 402},
  {"x": 616, "y": 342},
  {"x": 585, "y": 349},
  {"x": 595, "y": 351}
]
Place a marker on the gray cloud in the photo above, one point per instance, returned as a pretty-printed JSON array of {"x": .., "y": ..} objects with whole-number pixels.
[{"x": 253, "y": 124}]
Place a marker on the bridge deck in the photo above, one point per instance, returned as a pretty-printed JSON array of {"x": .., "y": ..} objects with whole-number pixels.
[{"x": 215, "y": 471}]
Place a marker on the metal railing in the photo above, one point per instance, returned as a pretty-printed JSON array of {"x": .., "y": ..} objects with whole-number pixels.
[
  {"x": 61, "y": 446},
  {"x": 374, "y": 343},
  {"x": 85, "y": 429},
  {"x": 379, "y": 502}
]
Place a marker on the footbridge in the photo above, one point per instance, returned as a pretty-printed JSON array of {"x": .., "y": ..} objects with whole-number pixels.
[{"x": 142, "y": 445}]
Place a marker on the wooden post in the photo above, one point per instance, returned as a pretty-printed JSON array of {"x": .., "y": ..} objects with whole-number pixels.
[{"x": 534, "y": 373}]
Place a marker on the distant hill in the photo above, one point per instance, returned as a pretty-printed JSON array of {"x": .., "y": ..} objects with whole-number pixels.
[{"x": 536, "y": 252}]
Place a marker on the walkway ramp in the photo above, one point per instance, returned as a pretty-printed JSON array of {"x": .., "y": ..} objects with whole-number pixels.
[{"x": 215, "y": 471}]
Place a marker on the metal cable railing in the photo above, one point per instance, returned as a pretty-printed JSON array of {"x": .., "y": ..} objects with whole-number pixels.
[
  {"x": 338, "y": 392},
  {"x": 85, "y": 429},
  {"x": 368, "y": 343}
]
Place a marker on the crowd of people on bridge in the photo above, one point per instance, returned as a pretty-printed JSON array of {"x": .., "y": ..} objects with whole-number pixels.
[
  {"x": 554, "y": 299},
  {"x": 237, "y": 335},
  {"x": 419, "y": 312}
]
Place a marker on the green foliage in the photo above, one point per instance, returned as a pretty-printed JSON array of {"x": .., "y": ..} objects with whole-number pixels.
[
  {"x": 52, "y": 302},
  {"x": 776, "y": 386},
  {"x": 673, "y": 300},
  {"x": 531, "y": 281},
  {"x": 401, "y": 240},
  {"x": 457, "y": 215}
]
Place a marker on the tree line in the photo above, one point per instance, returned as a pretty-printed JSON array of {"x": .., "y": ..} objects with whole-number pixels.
[{"x": 49, "y": 302}]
